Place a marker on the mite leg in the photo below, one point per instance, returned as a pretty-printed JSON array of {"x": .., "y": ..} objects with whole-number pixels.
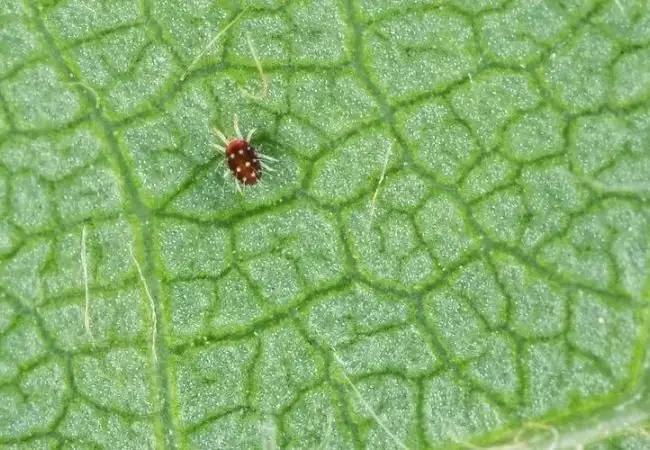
[
  {"x": 235, "y": 123},
  {"x": 221, "y": 136}
]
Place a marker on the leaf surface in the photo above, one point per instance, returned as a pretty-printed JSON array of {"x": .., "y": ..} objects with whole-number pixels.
[{"x": 453, "y": 250}]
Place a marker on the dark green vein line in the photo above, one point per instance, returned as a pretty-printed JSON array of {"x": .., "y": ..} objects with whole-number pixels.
[{"x": 143, "y": 217}]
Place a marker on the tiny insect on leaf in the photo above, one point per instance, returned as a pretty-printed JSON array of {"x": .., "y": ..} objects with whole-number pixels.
[{"x": 244, "y": 162}]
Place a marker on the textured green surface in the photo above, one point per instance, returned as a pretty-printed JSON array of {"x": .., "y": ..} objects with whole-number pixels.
[{"x": 495, "y": 292}]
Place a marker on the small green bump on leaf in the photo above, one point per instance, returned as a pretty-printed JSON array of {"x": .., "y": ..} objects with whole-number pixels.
[
  {"x": 73, "y": 21},
  {"x": 299, "y": 137},
  {"x": 548, "y": 377},
  {"x": 477, "y": 283},
  {"x": 211, "y": 380},
  {"x": 95, "y": 192},
  {"x": 385, "y": 248},
  {"x": 210, "y": 253},
  {"x": 8, "y": 314},
  {"x": 439, "y": 43},
  {"x": 454, "y": 414},
  {"x": 336, "y": 318},
  {"x": 492, "y": 172},
  {"x": 240, "y": 92},
  {"x": 576, "y": 74},
  {"x": 418, "y": 268},
  {"x": 608, "y": 332},
  {"x": 238, "y": 304},
  {"x": 116, "y": 379},
  {"x": 631, "y": 78},
  {"x": 399, "y": 237},
  {"x": 442, "y": 224},
  {"x": 189, "y": 304},
  {"x": 543, "y": 226},
  {"x": 276, "y": 280},
  {"x": 323, "y": 39},
  {"x": 92, "y": 426},
  {"x": 270, "y": 36},
  {"x": 63, "y": 273},
  {"x": 629, "y": 247},
  {"x": 496, "y": 369},
  {"x": 20, "y": 42},
  {"x": 353, "y": 168},
  {"x": 302, "y": 235},
  {"x": 33, "y": 404},
  {"x": 398, "y": 350},
  {"x": 235, "y": 430},
  {"x": 459, "y": 329},
  {"x": 155, "y": 160},
  {"x": 387, "y": 396},
  {"x": 38, "y": 98},
  {"x": 152, "y": 75},
  {"x": 590, "y": 231},
  {"x": 57, "y": 157},
  {"x": 30, "y": 204},
  {"x": 502, "y": 216},
  {"x": 114, "y": 317},
  {"x": 9, "y": 238},
  {"x": 591, "y": 265},
  {"x": 403, "y": 191},
  {"x": 554, "y": 375},
  {"x": 346, "y": 99},
  {"x": 589, "y": 380},
  {"x": 629, "y": 175},
  {"x": 315, "y": 421},
  {"x": 474, "y": 6},
  {"x": 490, "y": 101},
  {"x": 539, "y": 307},
  {"x": 596, "y": 141},
  {"x": 20, "y": 275},
  {"x": 287, "y": 364},
  {"x": 552, "y": 186},
  {"x": 189, "y": 26},
  {"x": 535, "y": 135},
  {"x": 102, "y": 62},
  {"x": 114, "y": 241},
  {"x": 519, "y": 33},
  {"x": 440, "y": 143},
  {"x": 626, "y": 20},
  {"x": 21, "y": 347},
  {"x": 189, "y": 126}
]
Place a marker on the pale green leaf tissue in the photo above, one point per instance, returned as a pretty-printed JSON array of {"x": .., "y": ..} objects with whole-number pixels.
[{"x": 453, "y": 250}]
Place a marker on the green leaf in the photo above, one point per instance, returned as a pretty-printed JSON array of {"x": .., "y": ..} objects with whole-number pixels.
[{"x": 453, "y": 250}]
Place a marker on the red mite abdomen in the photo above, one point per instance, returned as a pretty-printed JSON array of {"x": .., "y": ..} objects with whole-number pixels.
[{"x": 243, "y": 162}]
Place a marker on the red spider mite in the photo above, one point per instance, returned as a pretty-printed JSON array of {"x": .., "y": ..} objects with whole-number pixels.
[{"x": 245, "y": 163}]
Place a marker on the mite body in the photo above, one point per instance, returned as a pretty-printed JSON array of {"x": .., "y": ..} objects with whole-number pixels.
[{"x": 244, "y": 162}]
